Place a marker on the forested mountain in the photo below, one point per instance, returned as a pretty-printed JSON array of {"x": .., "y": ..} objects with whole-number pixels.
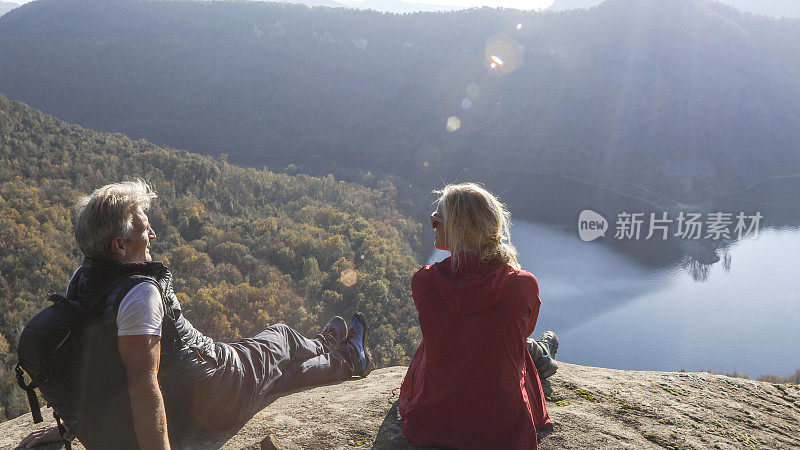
[
  {"x": 772, "y": 8},
  {"x": 248, "y": 248},
  {"x": 686, "y": 98}
]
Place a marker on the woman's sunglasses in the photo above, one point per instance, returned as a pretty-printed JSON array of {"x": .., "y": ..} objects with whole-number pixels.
[{"x": 435, "y": 220}]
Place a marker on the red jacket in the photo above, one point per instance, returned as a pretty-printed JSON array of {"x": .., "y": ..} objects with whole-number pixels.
[{"x": 472, "y": 382}]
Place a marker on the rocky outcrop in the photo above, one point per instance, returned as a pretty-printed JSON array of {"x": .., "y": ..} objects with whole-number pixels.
[{"x": 592, "y": 408}]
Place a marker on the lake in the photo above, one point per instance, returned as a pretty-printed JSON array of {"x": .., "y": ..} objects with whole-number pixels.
[{"x": 609, "y": 310}]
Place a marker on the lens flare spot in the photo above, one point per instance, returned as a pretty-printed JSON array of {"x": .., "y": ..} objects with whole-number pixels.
[
  {"x": 349, "y": 277},
  {"x": 473, "y": 90},
  {"x": 519, "y": 26},
  {"x": 466, "y": 103},
  {"x": 503, "y": 53},
  {"x": 362, "y": 256},
  {"x": 453, "y": 123},
  {"x": 428, "y": 157}
]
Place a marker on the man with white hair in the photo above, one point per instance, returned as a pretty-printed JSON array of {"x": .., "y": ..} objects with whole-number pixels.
[{"x": 147, "y": 375}]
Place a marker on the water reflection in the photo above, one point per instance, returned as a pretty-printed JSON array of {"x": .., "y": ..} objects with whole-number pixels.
[
  {"x": 701, "y": 255},
  {"x": 611, "y": 310},
  {"x": 697, "y": 269}
]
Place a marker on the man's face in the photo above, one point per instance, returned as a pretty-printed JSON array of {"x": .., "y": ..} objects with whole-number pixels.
[{"x": 136, "y": 249}]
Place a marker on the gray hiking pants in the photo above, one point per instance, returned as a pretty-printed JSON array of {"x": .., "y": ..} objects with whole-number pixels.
[{"x": 222, "y": 395}]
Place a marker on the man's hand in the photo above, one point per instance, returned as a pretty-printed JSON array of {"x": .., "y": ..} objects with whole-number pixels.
[
  {"x": 142, "y": 356},
  {"x": 41, "y": 436}
]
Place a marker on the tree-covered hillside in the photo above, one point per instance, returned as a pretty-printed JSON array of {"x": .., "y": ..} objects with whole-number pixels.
[
  {"x": 686, "y": 98},
  {"x": 248, "y": 248},
  {"x": 773, "y": 8}
]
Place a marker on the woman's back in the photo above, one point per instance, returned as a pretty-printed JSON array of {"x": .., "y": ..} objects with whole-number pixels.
[{"x": 472, "y": 382}]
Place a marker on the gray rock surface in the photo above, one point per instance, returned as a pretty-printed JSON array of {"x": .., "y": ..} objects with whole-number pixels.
[{"x": 592, "y": 408}]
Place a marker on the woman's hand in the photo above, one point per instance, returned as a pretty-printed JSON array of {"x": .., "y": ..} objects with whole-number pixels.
[{"x": 41, "y": 436}]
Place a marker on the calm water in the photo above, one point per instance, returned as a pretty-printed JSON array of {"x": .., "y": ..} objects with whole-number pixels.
[{"x": 609, "y": 311}]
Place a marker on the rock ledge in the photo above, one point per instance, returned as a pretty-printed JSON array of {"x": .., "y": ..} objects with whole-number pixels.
[{"x": 591, "y": 407}]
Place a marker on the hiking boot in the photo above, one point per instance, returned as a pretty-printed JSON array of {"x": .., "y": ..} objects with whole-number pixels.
[
  {"x": 549, "y": 342},
  {"x": 355, "y": 348},
  {"x": 543, "y": 352},
  {"x": 333, "y": 334}
]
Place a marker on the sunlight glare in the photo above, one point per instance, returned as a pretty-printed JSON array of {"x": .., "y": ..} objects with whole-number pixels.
[
  {"x": 349, "y": 277},
  {"x": 453, "y": 123},
  {"x": 504, "y": 53}
]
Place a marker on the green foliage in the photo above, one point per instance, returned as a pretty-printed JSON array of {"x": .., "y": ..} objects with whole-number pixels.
[
  {"x": 248, "y": 248},
  {"x": 583, "y": 393}
]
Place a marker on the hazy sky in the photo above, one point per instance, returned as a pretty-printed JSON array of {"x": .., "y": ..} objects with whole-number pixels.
[{"x": 519, "y": 4}]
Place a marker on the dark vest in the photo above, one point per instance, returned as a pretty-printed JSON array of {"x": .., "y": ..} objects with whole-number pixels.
[{"x": 105, "y": 419}]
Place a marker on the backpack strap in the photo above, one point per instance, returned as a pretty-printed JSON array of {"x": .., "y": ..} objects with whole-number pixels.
[
  {"x": 33, "y": 401},
  {"x": 36, "y": 411},
  {"x": 169, "y": 333},
  {"x": 62, "y": 430},
  {"x": 113, "y": 288}
]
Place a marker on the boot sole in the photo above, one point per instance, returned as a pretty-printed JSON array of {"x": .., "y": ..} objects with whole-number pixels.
[
  {"x": 365, "y": 346},
  {"x": 548, "y": 373},
  {"x": 344, "y": 323},
  {"x": 334, "y": 341}
]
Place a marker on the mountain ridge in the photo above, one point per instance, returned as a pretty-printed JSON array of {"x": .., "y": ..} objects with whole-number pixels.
[
  {"x": 772, "y": 8},
  {"x": 681, "y": 97}
]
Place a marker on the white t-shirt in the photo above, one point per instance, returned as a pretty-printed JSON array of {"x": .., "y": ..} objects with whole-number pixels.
[{"x": 141, "y": 311}]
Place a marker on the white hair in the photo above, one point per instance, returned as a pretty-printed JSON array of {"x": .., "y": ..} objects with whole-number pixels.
[{"x": 107, "y": 213}]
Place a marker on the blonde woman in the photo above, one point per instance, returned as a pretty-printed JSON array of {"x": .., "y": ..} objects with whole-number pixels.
[{"x": 472, "y": 382}]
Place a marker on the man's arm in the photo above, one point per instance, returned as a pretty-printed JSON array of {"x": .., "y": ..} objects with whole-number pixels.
[{"x": 142, "y": 356}]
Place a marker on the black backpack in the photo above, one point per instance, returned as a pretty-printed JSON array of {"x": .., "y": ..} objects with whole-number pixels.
[{"x": 49, "y": 350}]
